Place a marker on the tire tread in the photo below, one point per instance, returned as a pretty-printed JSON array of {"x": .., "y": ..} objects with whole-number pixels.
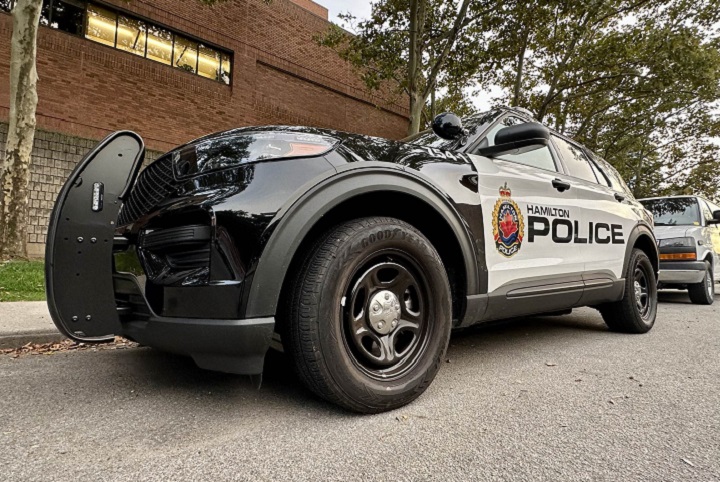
[{"x": 302, "y": 318}]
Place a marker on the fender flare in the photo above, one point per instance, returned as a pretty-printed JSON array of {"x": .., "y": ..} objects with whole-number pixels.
[
  {"x": 639, "y": 231},
  {"x": 294, "y": 221}
]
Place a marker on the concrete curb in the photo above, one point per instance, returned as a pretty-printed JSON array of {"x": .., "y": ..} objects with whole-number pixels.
[
  {"x": 20, "y": 340},
  {"x": 23, "y": 322}
]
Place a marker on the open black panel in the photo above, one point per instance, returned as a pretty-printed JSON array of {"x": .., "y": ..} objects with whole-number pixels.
[{"x": 79, "y": 251}]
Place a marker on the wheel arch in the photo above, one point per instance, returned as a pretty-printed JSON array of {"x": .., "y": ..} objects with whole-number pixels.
[
  {"x": 351, "y": 195},
  {"x": 642, "y": 237},
  {"x": 710, "y": 259}
]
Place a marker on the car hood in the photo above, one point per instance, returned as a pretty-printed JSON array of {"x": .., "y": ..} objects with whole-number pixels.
[
  {"x": 357, "y": 147},
  {"x": 664, "y": 232}
]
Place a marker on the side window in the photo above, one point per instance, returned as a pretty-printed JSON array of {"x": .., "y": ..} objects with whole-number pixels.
[
  {"x": 706, "y": 211},
  {"x": 576, "y": 161},
  {"x": 616, "y": 181},
  {"x": 601, "y": 177},
  {"x": 540, "y": 158}
]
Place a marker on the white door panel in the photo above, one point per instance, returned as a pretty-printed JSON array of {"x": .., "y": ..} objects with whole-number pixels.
[
  {"x": 607, "y": 224},
  {"x": 512, "y": 196}
]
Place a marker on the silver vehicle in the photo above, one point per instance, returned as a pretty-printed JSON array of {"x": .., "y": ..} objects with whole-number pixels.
[{"x": 688, "y": 233}]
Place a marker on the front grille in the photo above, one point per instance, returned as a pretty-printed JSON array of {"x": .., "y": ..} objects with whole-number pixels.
[{"x": 155, "y": 184}]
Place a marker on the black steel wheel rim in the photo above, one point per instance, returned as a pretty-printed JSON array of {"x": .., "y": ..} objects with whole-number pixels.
[
  {"x": 642, "y": 292},
  {"x": 386, "y": 308}
]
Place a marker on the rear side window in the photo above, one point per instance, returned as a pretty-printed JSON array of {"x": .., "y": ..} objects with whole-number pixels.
[
  {"x": 678, "y": 211},
  {"x": 540, "y": 158},
  {"x": 616, "y": 181},
  {"x": 576, "y": 161}
]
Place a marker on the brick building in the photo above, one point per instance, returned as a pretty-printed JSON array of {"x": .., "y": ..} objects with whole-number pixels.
[{"x": 174, "y": 70}]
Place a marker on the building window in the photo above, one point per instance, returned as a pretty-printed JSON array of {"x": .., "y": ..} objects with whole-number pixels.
[
  {"x": 131, "y": 35},
  {"x": 101, "y": 25},
  {"x": 66, "y": 15},
  {"x": 159, "y": 45},
  {"x": 123, "y": 32},
  {"x": 185, "y": 54}
]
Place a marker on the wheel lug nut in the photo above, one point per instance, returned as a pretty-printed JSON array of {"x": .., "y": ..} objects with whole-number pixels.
[
  {"x": 380, "y": 325},
  {"x": 387, "y": 296},
  {"x": 394, "y": 323}
]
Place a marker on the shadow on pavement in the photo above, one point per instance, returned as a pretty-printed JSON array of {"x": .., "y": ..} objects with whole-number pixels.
[
  {"x": 178, "y": 372},
  {"x": 680, "y": 296},
  {"x": 163, "y": 379}
]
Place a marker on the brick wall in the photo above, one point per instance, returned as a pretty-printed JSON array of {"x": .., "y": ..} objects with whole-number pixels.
[
  {"x": 280, "y": 76},
  {"x": 88, "y": 90},
  {"x": 54, "y": 156},
  {"x": 315, "y": 8}
]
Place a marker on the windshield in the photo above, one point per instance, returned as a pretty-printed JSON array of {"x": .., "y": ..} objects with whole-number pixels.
[
  {"x": 682, "y": 211},
  {"x": 473, "y": 124}
]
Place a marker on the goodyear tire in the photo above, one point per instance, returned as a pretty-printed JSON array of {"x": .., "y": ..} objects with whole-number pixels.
[
  {"x": 636, "y": 311},
  {"x": 703, "y": 293},
  {"x": 370, "y": 316}
]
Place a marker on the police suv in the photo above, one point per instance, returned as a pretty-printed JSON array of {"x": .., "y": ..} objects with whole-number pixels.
[{"x": 359, "y": 254}]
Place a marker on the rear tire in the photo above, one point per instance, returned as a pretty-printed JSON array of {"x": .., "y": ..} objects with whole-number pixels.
[
  {"x": 370, "y": 316},
  {"x": 703, "y": 293},
  {"x": 636, "y": 311}
]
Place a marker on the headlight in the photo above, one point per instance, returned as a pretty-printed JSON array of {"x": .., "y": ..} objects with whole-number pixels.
[
  {"x": 676, "y": 243},
  {"x": 237, "y": 149}
]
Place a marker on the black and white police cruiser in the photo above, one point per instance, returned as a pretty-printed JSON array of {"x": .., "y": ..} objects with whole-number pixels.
[{"x": 361, "y": 253}]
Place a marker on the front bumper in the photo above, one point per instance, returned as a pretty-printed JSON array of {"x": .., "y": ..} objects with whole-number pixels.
[
  {"x": 90, "y": 301},
  {"x": 233, "y": 346},
  {"x": 681, "y": 272}
]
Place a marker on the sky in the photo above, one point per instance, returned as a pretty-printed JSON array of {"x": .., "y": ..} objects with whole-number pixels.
[{"x": 361, "y": 9}]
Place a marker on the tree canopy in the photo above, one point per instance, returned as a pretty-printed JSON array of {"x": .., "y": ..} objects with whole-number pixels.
[{"x": 637, "y": 81}]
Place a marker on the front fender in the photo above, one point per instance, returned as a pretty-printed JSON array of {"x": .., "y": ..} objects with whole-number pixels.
[
  {"x": 642, "y": 236},
  {"x": 295, "y": 220}
]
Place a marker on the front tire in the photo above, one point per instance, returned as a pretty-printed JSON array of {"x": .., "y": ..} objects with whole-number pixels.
[
  {"x": 636, "y": 311},
  {"x": 703, "y": 293},
  {"x": 370, "y": 317}
]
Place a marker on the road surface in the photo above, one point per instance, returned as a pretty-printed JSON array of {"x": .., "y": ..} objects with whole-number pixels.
[{"x": 532, "y": 399}]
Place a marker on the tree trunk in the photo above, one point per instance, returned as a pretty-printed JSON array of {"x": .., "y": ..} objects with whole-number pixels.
[
  {"x": 433, "y": 113},
  {"x": 520, "y": 65},
  {"x": 417, "y": 104},
  {"x": 15, "y": 174},
  {"x": 417, "y": 14}
]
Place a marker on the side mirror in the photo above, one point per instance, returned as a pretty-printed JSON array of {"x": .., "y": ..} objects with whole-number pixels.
[
  {"x": 448, "y": 126},
  {"x": 518, "y": 139},
  {"x": 715, "y": 219}
]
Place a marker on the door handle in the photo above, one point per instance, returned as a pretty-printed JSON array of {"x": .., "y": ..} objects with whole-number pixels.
[
  {"x": 560, "y": 185},
  {"x": 619, "y": 197}
]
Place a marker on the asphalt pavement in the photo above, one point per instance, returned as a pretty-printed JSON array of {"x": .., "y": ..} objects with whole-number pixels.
[{"x": 532, "y": 399}]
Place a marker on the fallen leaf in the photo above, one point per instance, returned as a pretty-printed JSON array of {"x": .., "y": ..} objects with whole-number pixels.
[{"x": 551, "y": 364}]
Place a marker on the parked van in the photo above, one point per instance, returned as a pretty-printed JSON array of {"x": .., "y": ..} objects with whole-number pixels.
[{"x": 688, "y": 232}]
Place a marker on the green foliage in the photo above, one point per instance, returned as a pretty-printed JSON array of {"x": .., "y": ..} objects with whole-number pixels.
[
  {"x": 637, "y": 81},
  {"x": 416, "y": 44},
  {"x": 22, "y": 281}
]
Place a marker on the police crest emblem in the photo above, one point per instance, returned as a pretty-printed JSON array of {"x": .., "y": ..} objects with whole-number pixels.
[{"x": 508, "y": 224}]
